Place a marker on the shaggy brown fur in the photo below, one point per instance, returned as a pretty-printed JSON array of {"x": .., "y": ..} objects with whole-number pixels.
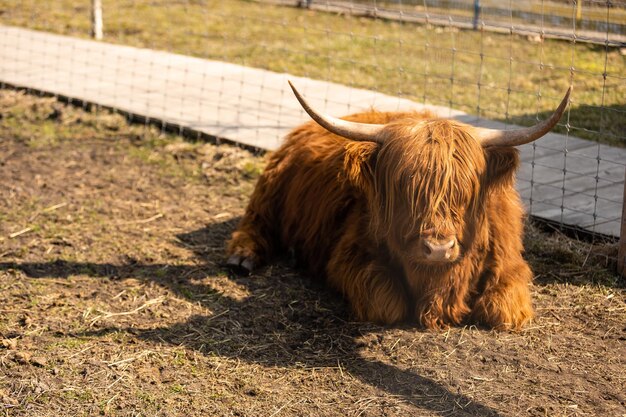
[{"x": 354, "y": 213}]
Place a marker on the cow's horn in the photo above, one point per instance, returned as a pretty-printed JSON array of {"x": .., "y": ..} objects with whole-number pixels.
[
  {"x": 494, "y": 137},
  {"x": 349, "y": 130}
]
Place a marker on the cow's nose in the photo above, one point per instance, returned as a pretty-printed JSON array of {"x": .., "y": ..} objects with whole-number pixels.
[{"x": 440, "y": 249}]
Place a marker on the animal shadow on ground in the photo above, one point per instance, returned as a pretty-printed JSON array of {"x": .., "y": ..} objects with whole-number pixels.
[{"x": 285, "y": 320}]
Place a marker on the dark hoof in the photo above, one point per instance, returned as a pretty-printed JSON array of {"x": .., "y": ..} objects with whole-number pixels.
[{"x": 240, "y": 265}]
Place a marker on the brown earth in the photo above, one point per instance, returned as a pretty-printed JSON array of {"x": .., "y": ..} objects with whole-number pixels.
[{"x": 114, "y": 300}]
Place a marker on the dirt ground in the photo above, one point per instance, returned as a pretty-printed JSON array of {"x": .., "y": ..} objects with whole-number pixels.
[{"x": 114, "y": 299}]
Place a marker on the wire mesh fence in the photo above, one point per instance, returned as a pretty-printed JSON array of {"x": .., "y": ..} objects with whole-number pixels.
[
  {"x": 220, "y": 68},
  {"x": 554, "y": 19}
]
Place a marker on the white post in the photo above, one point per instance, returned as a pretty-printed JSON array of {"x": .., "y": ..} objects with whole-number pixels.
[
  {"x": 621, "y": 251},
  {"x": 96, "y": 19}
]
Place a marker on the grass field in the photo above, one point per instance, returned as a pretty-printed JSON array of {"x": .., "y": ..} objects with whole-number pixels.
[
  {"x": 114, "y": 300},
  {"x": 497, "y": 76}
]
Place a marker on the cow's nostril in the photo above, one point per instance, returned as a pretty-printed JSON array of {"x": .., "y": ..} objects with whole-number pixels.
[{"x": 427, "y": 249}]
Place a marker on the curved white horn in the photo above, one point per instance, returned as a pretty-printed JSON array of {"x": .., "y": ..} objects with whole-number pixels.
[
  {"x": 495, "y": 137},
  {"x": 349, "y": 130}
]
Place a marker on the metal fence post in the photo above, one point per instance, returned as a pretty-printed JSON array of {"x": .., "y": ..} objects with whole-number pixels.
[
  {"x": 96, "y": 19},
  {"x": 476, "y": 13},
  {"x": 621, "y": 253}
]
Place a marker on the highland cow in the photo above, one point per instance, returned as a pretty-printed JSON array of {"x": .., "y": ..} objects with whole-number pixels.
[{"x": 410, "y": 217}]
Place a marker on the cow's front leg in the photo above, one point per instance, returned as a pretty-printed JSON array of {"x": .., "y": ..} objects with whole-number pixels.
[
  {"x": 373, "y": 289},
  {"x": 440, "y": 302},
  {"x": 251, "y": 244},
  {"x": 254, "y": 240},
  {"x": 244, "y": 251},
  {"x": 505, "y": 300}
]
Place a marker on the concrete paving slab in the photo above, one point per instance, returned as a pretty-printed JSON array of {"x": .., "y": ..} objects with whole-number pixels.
[{"x": 553, "y": 145}]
